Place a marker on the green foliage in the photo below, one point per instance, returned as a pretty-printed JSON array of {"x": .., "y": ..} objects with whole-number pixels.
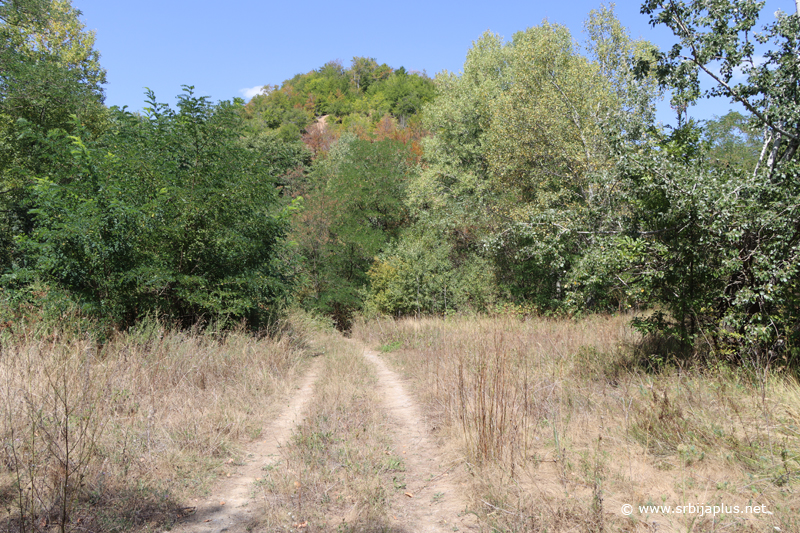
[
  {"x": 354, "y": 209},
  {"x": 366, "y": 89},
  {"x": 733, "y": 141},
  {"x": 513, "y": 169},
  {"x": 716, "y": 38},
  {"x": 418, "y": 275},
  {"x": 702, "y": 223},
  {"x": 49, "y": 73},
  {"x": 166, "y": 213},
  {"x": 545, "y": 133},
  {"x": 49, "y": 67}
]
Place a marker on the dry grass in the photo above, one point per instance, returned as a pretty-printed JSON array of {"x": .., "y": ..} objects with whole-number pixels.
[
  {"x": 339, "y": 470},
  {"x": 560, "y": 426},
  {"x": 119, "y": 436}
]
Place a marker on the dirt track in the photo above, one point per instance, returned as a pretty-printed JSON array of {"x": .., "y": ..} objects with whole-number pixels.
[
  {"x": 429, "y": 504},
  {"x": 436, "y": 504},
  {"x": 231, "y": 506}
]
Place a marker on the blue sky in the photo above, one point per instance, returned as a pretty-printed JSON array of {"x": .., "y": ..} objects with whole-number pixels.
[{"x": 223, "y": 51}]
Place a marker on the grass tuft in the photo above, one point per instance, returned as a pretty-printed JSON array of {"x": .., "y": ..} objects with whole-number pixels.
[
  {"x": 561, "y": 422},
  {"x": 118, "y": 436}
]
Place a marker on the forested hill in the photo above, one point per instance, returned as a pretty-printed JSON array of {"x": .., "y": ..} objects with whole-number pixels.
[
  {"x": 535, "y": 181},
  {"x": 356, "y": 98}
]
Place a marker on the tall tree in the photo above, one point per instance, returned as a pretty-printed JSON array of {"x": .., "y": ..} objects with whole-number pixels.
[
  {"x": 49, "y": 73},
  {"x": 733, "y": 140},
  {"x": 717, "y": 246},
  {"x": 721, "y": 31},
  {"x": 520, "y": 138},
  {"x": 354, "y": 210},
  {"x": 50, "y": 69}
]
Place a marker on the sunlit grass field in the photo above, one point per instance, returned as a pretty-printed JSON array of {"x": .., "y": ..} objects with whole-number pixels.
[
  {"x": 560, "y": 423},
  {"x": 125, "y": 435}
]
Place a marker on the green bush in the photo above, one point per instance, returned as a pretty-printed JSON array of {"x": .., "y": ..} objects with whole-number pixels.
[
  {"x": 166, "y": 213},
  {"x": 418, "y": 275}
]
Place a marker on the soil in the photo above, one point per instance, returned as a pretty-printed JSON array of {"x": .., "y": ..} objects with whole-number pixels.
[
  {"x": 231, "y": 506},
  {"x": 430, "y": 503},
  {"x": 434, "y": 504}
]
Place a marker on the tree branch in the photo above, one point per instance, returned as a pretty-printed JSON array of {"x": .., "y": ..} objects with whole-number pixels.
[{"x": 744, "y": 101}]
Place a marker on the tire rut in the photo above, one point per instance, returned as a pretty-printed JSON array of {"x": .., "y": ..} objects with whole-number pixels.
[
  {"x": 230, "y": 507},
  {"x": 435, "y": 504}
]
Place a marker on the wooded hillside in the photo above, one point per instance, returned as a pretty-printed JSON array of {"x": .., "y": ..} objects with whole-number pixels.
[{"x": 534, "y": 181}]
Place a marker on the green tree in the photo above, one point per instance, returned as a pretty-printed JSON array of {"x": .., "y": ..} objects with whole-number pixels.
[
  {"x": 420, "y": 274},
  {"x": 545, "y": 136},
  {"x": 49, "y": 73},
  {"x": 715, "y": 245},
  {"x": 167, "y": 213},
  {"x": 733, "y": 142},
  {"x": 354, "y": 210},
  {"x": 513, "y": 169},
  {"x": 712, "y": 32},
  {"x": 50, "y": 69}
]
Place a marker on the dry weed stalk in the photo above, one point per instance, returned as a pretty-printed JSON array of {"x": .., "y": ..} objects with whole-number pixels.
[
  {"x": 560, "y": 424},
  {"x": 118, "y": 435}
]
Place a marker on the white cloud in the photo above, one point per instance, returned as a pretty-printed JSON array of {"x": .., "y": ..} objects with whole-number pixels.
[{"x": 249, "y": 93}]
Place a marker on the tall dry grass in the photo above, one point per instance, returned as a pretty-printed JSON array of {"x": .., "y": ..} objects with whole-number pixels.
[
  {"x": 559, "y": 424},
  {"x": 120, "y": 436}
]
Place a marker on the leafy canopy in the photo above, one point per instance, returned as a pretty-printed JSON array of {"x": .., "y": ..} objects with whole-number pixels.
[{"x": 167, "y": 213}]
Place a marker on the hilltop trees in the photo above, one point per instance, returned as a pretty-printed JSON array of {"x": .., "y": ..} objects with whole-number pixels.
[{"x": 357, "y": 97}]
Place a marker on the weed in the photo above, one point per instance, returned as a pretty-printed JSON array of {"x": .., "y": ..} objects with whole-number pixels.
[
  {"x": 339, "y": 454},
  {"x": 391, "y": 346},
  {"x": 560, "y": 422},
  {"x": 115, "y": 435}
]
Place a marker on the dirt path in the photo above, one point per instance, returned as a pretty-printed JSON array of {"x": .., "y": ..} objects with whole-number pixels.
[
  {"x": 231, "y": 506},
  {"x": 430, "y": 502},
  {"x": 435, "y": 504}
]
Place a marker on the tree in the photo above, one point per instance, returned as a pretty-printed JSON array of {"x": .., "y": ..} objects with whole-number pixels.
[
  {"x": 519, "y": 144},
  {"x": 546, "y": 134},
  {"x": 49, "y": 73},
  {"x": 717, "y": 246},
  {"x": 721, "y": 31},
  {"x": 167, "y": 213},
  {"x": 733, "y": 142},
  {"x": 49, "y": 67},
  {"x": 616, "y": 55},
  {"x": 354, "y": 210},
  {"x": 419, "y": 274}
]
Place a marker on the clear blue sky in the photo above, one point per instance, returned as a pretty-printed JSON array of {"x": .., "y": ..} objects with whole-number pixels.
[{"x": 223, "y": 51}]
